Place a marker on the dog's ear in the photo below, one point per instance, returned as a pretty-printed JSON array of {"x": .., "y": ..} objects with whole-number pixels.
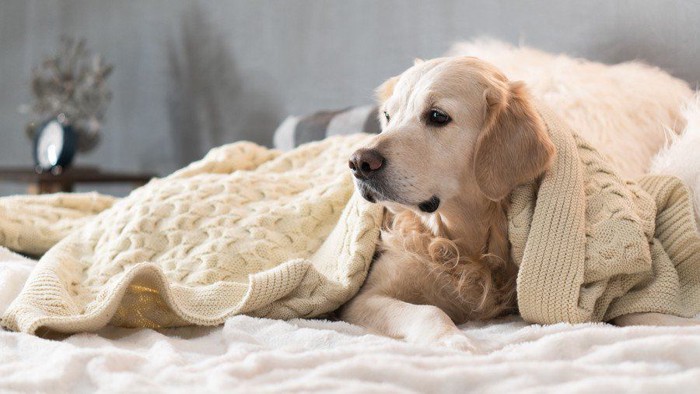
[
  {"x": 514, "y": 146},
  {"x": 385, "y": 90}
]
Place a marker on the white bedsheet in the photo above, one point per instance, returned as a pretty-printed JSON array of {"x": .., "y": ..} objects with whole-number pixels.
[{"x": 250, "y": 354}]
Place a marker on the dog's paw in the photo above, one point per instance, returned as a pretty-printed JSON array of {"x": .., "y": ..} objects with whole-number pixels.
[
  {"x": 432, "y": 327},
  {"x": 457, "y": 341},
  {"x": 454, "y": 339}
]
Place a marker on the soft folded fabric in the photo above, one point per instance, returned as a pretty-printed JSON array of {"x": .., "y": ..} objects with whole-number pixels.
[
  {"x": 592, "y": 247},
  {"x": 33, "y": 224},
  {"x": 245, "y": 230}
]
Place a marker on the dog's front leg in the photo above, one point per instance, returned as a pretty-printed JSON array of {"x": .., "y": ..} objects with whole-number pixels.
[{"x": 423, "y": 324}]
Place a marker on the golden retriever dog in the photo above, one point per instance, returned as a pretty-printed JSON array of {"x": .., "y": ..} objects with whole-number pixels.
[{"x": 457, "y": 137}]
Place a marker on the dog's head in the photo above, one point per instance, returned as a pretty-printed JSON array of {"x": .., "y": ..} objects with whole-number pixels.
[{"x": 451, "y": 126}]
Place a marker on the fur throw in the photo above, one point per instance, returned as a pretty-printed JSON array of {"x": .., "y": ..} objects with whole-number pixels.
[{"x": 680, "y": 158}]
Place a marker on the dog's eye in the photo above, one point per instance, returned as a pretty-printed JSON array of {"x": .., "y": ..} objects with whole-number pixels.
[
  {"x": 438, "y": 118},
  {"x": 386, "y": 115}
]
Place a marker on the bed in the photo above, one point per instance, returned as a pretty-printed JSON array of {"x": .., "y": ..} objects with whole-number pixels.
[{"x": 252, "y": 354}]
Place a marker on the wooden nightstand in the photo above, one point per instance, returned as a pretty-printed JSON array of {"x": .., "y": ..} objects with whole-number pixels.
[{"x": 65, "y": 182}]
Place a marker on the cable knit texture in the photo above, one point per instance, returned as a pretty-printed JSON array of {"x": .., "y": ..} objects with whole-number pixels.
[
  {"x": 592, "y": 247},
  {"x": 245, "y": 230},
  {"x": 33, "y": 224}
]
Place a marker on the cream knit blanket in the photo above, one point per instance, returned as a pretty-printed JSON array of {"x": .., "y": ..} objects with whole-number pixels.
[
  {"x": 245, "y": 230},
  {"x": 592, "y": 247}
]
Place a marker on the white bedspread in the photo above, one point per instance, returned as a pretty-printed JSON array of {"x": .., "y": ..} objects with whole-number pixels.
[{"x": 250, "y": 354}]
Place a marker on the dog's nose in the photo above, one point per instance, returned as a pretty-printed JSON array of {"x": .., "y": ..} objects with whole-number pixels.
[{"x": 365, "y": 162}]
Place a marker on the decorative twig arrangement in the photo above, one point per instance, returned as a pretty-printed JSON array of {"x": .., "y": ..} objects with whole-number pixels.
[{"x": 72, "y": 83}]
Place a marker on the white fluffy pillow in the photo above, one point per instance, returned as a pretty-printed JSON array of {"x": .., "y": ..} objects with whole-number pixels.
[
  {"x": 682, "y": 157},
  {"x": 621, "y": 109}
]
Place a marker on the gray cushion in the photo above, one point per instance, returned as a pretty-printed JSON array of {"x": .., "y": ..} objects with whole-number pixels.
[{"x": 297, "y": 130}]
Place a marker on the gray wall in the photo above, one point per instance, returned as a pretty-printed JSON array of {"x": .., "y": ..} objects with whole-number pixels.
[{"x": 193, "y": 74}]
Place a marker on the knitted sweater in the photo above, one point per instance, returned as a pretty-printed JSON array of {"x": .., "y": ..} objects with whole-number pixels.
[
  {"x": 245, "y": 230},
  {"x": 591, "y": 247}
]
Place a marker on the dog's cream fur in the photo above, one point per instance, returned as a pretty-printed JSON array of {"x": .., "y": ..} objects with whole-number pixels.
[
  {"x": 453, "y": 265},
  {"x": 637, "y": 101}
]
